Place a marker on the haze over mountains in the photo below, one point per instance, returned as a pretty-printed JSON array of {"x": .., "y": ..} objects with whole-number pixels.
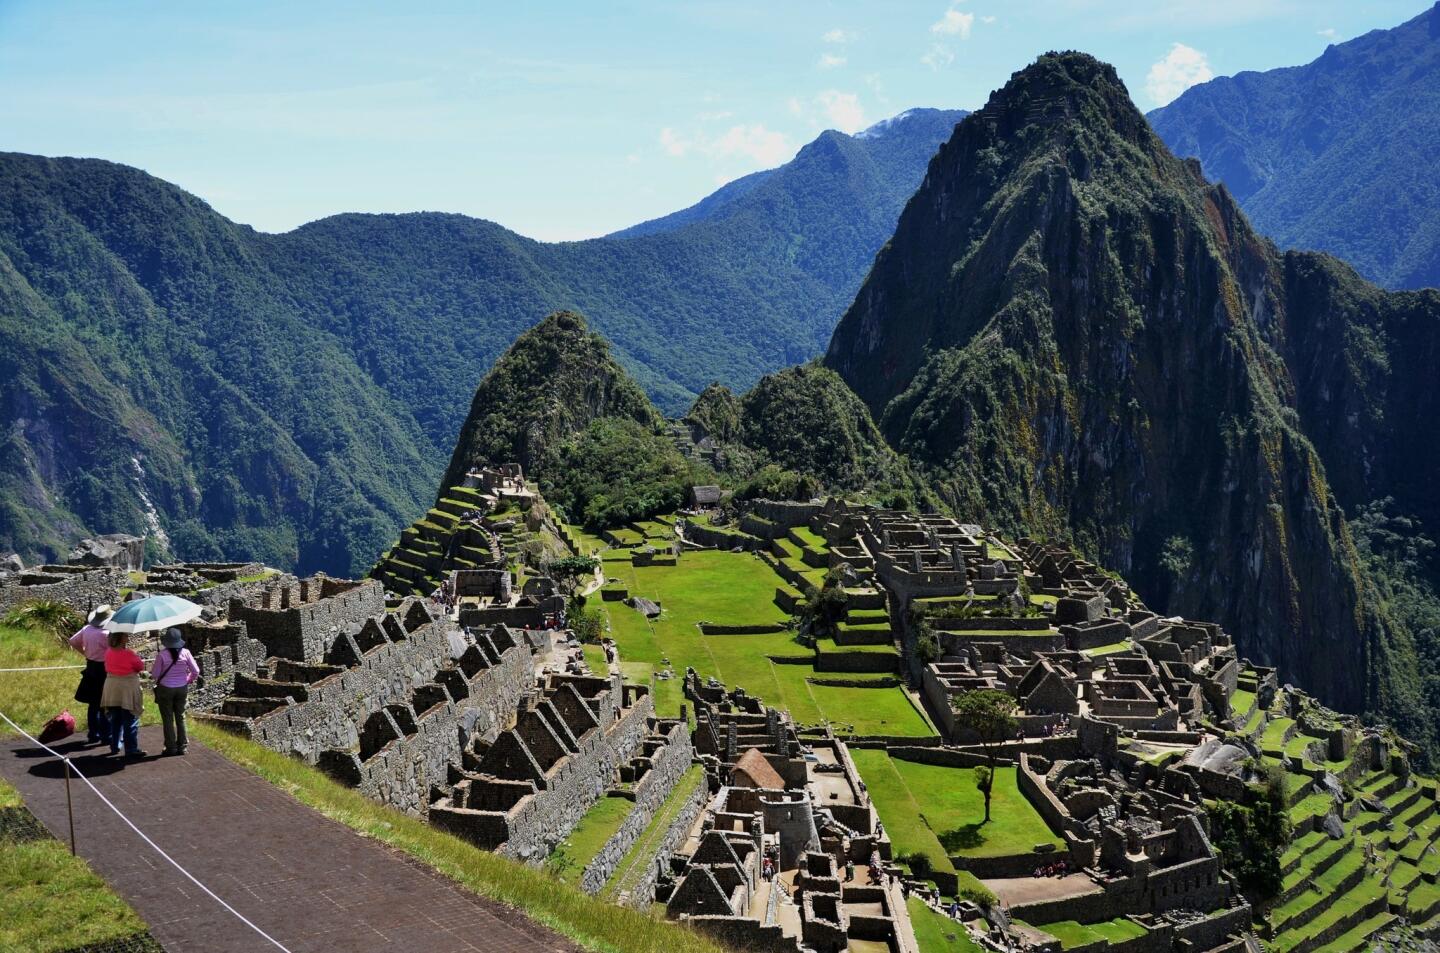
[{"x": 292, "y": 397}]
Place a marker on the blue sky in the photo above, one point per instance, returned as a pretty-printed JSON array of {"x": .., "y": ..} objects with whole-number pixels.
[{"x": 562, "y": 120}]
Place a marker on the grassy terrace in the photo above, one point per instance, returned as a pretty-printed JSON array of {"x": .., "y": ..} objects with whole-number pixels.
[
  {"x": 574, "y": 853},
  {"x": 936, "y": 933},
  {"x": 1072, "y": 934},
  {"x": 51, "y": 894},
  {"x": 647, "y": 845},
  {"x": 938, "y": 812},
  {"x": 738, "y": 589}
]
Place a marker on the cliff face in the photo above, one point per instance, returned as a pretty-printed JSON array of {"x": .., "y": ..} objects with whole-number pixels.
[{"x": 1072, "y": 331}]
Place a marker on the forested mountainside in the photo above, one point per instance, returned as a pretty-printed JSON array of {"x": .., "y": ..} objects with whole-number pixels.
[
  {"x": 558, "y": 403},
  {"x": 290, "y": 397},
  {"x": 1341, "y": 155},
  {"x": 1072, "y": 331}
]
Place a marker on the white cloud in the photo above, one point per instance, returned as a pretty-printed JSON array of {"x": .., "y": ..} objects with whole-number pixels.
[
  {"x": 843, "y": 110},
  {"x": 797, "y": 108},
  {"x": 938, "y": 55},
  {"x": 838, "y": 35},
  {"x": 830, "y": 61},
  {"x": 673, "y": 143},
  {"x": 954, "y": 23},
  {"x": 1181, "y": 68},
  {"x": 1328, "y": 33},
  {"x": 987, "y": 20},
  {"x": 763, "y": 147}
]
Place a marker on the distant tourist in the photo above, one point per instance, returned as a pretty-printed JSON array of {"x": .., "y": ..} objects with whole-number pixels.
[
  {"x": 93, "y": 642},
  {"x": 122, "y": 698},
  {"x": 173, "y": 671}
]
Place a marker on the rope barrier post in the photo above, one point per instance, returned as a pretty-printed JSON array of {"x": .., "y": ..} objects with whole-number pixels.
[{"x": 69, "y": 806}]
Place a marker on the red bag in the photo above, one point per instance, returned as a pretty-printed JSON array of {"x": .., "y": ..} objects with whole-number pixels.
[{"x": 61, "y": 726}]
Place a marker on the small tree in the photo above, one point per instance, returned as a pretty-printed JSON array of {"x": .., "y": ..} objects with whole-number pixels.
[
  {"x": 990, "y": 715},
  {"x": 825, "y": 609},
  {"x": 927, "y": 646},
  {"x": 567, "y": 571}
]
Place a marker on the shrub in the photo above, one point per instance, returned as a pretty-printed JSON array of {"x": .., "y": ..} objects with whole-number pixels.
[
  {"x": 45, "y": 615},
  {"x": 919, "y": 863}
]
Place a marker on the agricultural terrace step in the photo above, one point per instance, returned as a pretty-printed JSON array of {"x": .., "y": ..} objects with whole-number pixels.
[
  {"x": 1358, "y": 938},
  {"x": 1300, "y": 848},
  {"x": 1367, "y": 901},
  {"x": 1339, "y": 878},
  {"x": 1318, "y": 861}
]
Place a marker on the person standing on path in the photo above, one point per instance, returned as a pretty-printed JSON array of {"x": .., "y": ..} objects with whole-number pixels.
[
  {"x": 122, "y": 698},
  {"x": 93, "y": 642},
  {"x": 173, "y": 671}
]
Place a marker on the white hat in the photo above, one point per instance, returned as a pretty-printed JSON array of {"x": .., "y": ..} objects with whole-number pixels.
[{"x": 99, "y": 614}]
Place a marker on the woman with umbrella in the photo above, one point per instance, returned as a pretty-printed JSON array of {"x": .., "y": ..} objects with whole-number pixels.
[{"x": 122, "y": 697}]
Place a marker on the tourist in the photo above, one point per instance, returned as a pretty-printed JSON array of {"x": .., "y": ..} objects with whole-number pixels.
[
  {"x": 121, "y": 698},
  {"x": 849, "y": 870},
  {"x": 93, "y": 642},
  {"x": 173, "y": 671}
]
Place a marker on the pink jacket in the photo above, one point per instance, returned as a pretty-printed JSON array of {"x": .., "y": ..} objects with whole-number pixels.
[{"x": 92, "y": 642}]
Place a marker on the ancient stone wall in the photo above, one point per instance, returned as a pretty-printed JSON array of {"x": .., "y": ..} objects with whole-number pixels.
[
  {"x": 82, "y": 590},
  {"x": 430, "y": 729},
  {"x": 668, "y": 765},
  {"x": 642, "y": 894},
  {"x": 300, "y": 621}
]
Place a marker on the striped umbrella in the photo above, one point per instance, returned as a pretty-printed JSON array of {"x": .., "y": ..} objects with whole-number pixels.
[{"x": 152, "y": 613}]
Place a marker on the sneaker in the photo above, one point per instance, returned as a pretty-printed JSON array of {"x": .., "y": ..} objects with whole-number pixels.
[
  {"x": 114, "y": 750},
  {"x": 135, "y": 755},
  {"x": 168, "y": 752}
]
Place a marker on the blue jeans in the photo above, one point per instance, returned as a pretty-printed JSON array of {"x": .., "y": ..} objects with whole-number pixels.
[
  {"x": 97, "y": 725},
  {"x": 124, "y": 726}
]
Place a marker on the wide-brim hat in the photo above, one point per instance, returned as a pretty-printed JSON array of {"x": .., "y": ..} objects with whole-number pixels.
[
  {"x": 99, "y": 614},
  {"x": 172, "y": 639}
]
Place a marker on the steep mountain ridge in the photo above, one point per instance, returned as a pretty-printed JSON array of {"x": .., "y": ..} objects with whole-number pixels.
[
  {"x": 1072, "y": 331},
  {"x": 287, "y": 397},
  {"x": 1337, "y": 155}
]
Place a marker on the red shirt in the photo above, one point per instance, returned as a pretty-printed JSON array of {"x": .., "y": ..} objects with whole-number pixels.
[{"x": 123, "y": 662}]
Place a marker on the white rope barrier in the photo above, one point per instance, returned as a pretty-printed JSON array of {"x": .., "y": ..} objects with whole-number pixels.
[
  {"x": 171, "y": 860},
  {"x": 42, "y": 668}
]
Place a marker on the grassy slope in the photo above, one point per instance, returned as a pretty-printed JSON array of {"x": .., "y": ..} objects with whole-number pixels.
[
  {"x": 738, "y": 589},
  {"x": 32, "y": 698},
  {"x": 937, "y": 934},
  {"x": 572, "y": 855}
]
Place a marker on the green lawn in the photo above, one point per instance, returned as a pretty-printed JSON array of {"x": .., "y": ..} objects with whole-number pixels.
[
  {"x": 1242, "y": 701},
  {"x": 1072, "y": 934},
  {"x": 937, "y": 811},
  {"x": 33, "y": 698},
  {"x": 574, "y": 853},
  {"x": 1110, "y": 649},
  {"x": 739, "y": 589},
  {"x": 50, "y": 901},
  {"x": 936, "y": 933},
  {"x": 811, "y": 538},
  {"x": 1274, "y": 737}
]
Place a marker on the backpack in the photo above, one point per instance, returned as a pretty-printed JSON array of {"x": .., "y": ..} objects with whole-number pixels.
[{"x": 61, "y": 726}]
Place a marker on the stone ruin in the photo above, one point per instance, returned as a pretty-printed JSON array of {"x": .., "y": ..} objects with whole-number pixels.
[{"x": 789, "y": 805}]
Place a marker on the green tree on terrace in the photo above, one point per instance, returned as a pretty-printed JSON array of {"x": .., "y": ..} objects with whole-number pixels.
[
  {"x": 825, "y": 609},
  {"x": 1251, "y": 838},
  {"x": 567, "y": 571},
  {"x": 990, "y": 715}
]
